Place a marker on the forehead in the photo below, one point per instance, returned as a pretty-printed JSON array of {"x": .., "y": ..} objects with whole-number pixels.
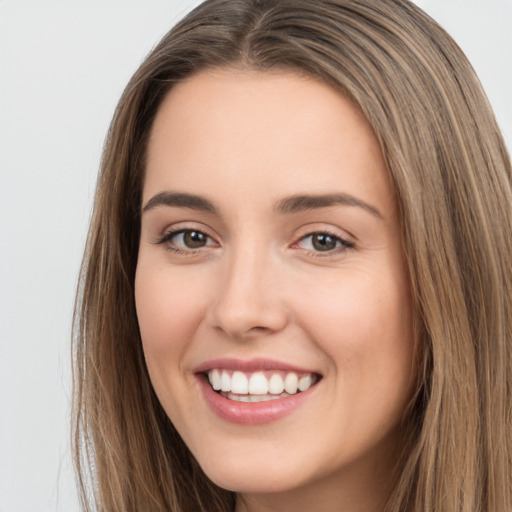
[
  {"x": 258, "y": 103},
  {"x": 247, "y": 131}
]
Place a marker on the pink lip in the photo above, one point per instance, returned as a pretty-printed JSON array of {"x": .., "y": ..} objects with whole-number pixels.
[
  {"x": 252, "y": 365},
  {"x": 247, "y": 413},
  {"x": 252, "y": 413}
]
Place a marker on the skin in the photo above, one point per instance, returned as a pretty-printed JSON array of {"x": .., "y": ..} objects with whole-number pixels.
[{"x": 259, "y": 287}]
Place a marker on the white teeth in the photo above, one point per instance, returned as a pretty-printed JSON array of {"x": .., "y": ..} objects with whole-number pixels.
[
  {"x": 256, "y": 387},
  {"x": 291, "y": 382},
  {"x": 258, "y": 384},
  {"x": 225, "y": 382},
  {"x": 305, "y": 382},
  {"x": 276, "y": 384},
  {"x": 239, "y": 383},
  {"x": 255, "y": 398},
  {"x": 215, "y": 379}
]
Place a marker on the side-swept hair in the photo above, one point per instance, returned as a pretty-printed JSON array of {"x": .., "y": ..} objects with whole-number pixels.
[{"x": 452, "y": 177}]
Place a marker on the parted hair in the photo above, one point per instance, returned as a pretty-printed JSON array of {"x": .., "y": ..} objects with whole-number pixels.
[{"x": 452, "y": 178}]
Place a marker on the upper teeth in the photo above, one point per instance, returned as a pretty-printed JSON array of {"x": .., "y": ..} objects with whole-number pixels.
[{"x": 260, "y": 383}]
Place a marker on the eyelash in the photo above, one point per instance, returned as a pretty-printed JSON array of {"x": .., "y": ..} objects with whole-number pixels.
[
  {"x": 343, "y": 246},
  {"x": 167, "y": 240}
]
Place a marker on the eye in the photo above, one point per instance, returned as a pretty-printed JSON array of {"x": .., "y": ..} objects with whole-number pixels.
[
  {"x": 184, "y": 240},
  {"x": 191, "y": 239},
  {"x": 324, "y": 242}
]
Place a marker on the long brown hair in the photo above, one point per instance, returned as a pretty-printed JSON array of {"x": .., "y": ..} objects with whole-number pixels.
[{"x": 453, "y": 181}]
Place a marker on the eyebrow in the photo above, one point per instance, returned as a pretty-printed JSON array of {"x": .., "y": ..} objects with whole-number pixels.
[
  {"x": 287, "y": 205},
  {"x": 299, "y": 203},
  {"x": 180, "y": 200}
]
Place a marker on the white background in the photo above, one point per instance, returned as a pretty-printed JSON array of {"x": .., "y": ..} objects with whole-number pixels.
[{"x": 63, "y": 65}]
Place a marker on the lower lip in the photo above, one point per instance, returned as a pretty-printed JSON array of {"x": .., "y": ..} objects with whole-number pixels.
[{"x": 252, "y": 413}]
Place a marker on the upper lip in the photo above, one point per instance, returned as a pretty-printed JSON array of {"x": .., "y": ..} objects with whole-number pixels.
[{"x": 249, "y": 365}]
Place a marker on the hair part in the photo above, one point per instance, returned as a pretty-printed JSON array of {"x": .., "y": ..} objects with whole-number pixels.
[{"x": 452, "y": 177}]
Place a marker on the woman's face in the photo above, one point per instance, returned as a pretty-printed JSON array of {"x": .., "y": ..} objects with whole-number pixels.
[{"x": 270, "y": 262}]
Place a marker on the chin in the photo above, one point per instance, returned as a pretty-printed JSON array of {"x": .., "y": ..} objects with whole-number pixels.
[{"x": 242, "y": 476}]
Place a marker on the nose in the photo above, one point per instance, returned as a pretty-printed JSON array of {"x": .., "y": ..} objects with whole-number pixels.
[{"x": 249, "y": 300}]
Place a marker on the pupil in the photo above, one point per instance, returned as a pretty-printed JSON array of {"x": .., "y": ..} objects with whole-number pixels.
[
  {"x": 194, "y": 239},
  {"x": 323, "y": 242}
]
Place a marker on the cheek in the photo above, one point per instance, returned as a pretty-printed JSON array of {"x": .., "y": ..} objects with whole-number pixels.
[
  {"x": 364, "y": 326},
  {"x": 360, "y": 311},
  {"x": 166, "y": 305},
  {"x": 168, "y": 311}
]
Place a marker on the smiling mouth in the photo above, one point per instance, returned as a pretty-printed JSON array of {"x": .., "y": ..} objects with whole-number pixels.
[{"x": 259, "y": 386}]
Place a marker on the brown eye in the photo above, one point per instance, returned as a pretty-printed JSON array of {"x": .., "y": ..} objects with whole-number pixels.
[
  {"x": 194, "y": 239},
  {"x": 324, "y": 242},
  {"x": 186, "y": 240}
]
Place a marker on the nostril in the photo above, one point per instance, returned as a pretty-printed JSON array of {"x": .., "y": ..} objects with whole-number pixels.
[{"x": 240, "y": 331}]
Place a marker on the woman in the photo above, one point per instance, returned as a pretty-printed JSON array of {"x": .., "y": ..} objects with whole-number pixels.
[{"x": 296, "y": 289}]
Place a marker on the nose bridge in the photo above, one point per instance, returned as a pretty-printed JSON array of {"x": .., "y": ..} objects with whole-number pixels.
[{"x": 247, "y": 300}]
